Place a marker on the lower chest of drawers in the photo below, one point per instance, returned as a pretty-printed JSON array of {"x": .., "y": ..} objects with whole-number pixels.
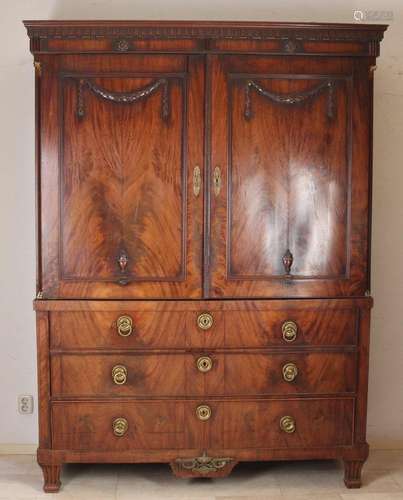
[{"x": 215, "y": 375}]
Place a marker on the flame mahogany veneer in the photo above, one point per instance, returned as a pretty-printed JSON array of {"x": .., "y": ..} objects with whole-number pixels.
[{"x": 203, "y": 234}]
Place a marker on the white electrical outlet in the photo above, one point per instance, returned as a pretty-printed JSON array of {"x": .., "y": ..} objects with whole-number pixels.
[{"x": 25, "y": 404}]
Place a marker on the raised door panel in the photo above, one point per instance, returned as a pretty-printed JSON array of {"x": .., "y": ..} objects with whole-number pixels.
[
  {"x": 129, "y": 221},
  {"x": 289, "y": 193}
]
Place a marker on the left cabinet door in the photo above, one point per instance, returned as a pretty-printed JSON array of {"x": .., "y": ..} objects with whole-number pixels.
[{"x": 120, "y": 178}]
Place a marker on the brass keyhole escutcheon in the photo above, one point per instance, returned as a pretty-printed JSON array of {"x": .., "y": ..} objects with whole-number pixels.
[
  {"x": 125, "y": 326},
  {"x": 196, "y": 181},
  {"x": 204, "y": 364},
  {"x": 217, "y": 180},
  {"x": 205, "y": 321},
  {"x": 290, "y": 371},
  {"x": 203, "y": 412},
  {"x": 120, "y": 426},
  {"x": 287, "y": 424},
  {"x": 289, "y": 329},
  {"x": 119, "y": 374}
]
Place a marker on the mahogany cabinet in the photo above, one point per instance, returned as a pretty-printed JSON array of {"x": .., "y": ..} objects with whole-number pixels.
[{"x": 203, "y": 235}]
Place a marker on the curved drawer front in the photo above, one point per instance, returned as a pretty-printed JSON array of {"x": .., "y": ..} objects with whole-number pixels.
[
  {"x": 227, "y": 425},
  {"x": 209, "y": 374}
]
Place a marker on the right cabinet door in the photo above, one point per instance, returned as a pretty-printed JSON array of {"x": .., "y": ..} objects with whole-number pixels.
[{"x": 289, "y": 176}]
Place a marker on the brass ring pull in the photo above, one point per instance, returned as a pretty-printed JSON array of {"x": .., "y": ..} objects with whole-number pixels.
[
  {"x": 290, "y": 372},
  {"x": 204, "y": 364},
  {"x": 205, "y": 321},
  {"x": 203, "y": 412},
  {"x": 287, "y": 424},
  {"x": 124, "y": 326},
  {"x": 119, "y": 374},
  {"x": 120, "y": 426},
  {"x": 289, "y": 329}
]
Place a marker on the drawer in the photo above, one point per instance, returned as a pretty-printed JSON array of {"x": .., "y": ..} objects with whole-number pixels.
[
  {"x": 212, "y": 374},
  {"x": 95, "y": 426},
  {"x": 132, "y": 328},
  {"x": 281, "y": 325},
  {"x": 295, "y": 373},
  {"x": 232, "y": 425},
  {"x": 136, "y": 375},
  {"x": 185, "y": 324},
  {"x": 258, "y": 424}
]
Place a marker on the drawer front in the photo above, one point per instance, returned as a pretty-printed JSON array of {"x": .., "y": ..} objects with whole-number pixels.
[
  {"x": 180, "y": 425},
  {"x": 136, "y": 329},
  {"x": 181, "y": 329},
  {"x": 116, "y": 329},
  {"x": 291, "y": 327},
  {"x": 257, "y": 424},
  {"x": 178, "y": 375},
  {"x": 136, "y": 375},
  {"x": 295, "y": 373},
  {"x": 95, "y": 426}
]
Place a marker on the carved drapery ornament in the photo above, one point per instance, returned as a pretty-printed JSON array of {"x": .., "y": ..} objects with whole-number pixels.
[
  {"x": 289, "y": 99},
  {"x": 124, "y": 97}
]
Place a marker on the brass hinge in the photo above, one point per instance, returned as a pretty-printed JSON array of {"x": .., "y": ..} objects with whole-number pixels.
[
  {"x": 39, "y": 295},
  {"x": 38, "y": 68},
  {"x": 372, "y": 68}
]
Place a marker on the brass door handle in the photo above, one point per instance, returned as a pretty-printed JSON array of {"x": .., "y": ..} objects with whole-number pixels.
[
  {"x": 290, "y": 372},
  {"x": 205, "y": 321},
  {"x": 119, "y": 374},
  {"x": 287, "y": 424},
  {"x": 125, "y": 326},
  {"x": 203, "y": 412},
  {"x": 120, "y": 426},
  {"x": 289, "y": 329},
  {"x": 204, "y": 364}
]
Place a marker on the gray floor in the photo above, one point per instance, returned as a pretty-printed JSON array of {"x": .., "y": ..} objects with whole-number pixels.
[{"x": 20, "y": 477}]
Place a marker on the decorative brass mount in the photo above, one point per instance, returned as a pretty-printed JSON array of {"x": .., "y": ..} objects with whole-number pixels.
[
  {"x": 203, "y": 464},
  {"x": 38, "y": 68}
]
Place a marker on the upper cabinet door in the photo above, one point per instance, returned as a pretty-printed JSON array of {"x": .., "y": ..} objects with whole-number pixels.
[
  {"x": 289, "y": 176},
  {"x": 121, "y": 181}
]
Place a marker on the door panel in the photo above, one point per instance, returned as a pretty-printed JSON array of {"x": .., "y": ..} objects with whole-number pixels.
[
  {"x": 129, "y": 137},
  {"x": 284, "y": 222}
]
